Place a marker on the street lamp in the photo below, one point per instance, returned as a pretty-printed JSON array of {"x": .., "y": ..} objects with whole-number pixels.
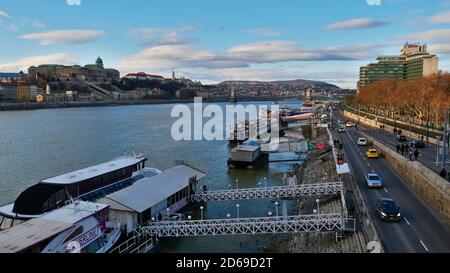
[
  {"x": 318, "y": 208},
  {"x": 201, "y": 212},
  {"x": 276, "y": 208},
  {"x": 237, "y": 207},
  {"x": 314, "y": 211},
  {"x": 228, "y": 216},
  {"x": 265, "y": 182},
  {"x": 237, "y": 183},
  {"x": 168, "y": 213},
  {"x": 189, "y": 217},
  {"x": 270, "y": 214}
]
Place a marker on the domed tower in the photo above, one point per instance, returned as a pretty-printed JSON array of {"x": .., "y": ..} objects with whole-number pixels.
[{"x": 99, "y": 62}]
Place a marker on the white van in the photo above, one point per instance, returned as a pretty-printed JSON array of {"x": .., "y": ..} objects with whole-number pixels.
[{"x": 361, "y": 142}]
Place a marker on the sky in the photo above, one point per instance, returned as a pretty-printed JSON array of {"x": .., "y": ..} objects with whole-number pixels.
[{"x": 214, "y": 40}]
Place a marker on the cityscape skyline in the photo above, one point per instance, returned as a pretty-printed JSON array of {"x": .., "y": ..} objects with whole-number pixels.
[{"x": 213, "y": 42}]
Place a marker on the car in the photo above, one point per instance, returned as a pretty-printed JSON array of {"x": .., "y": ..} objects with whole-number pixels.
[
  {"x": 373, "y": 181},
  {"x": 372, "y": 153},
  {"x": 388, "y": 210},
  {"x": 341, "y": 130},
  {"x": 361, "y": 142},
  {"x": 400, "y": 138},
  {"x": 349, "y": 125},
  {"x": 419, "y": 144}
]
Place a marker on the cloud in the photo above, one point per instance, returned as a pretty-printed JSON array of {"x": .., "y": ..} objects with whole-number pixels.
[
  {"x": 38, "y": 24},
  {"x": 358, "y": 23},
  {"x": 264, "y": 31},
  {"x": 4, "y": 14},
  {"x": 439, "y": 48},
  {"x": 25, "y": 63},
  {"x": 73, "y": 2},
  {"x": 440, "y": 18},
  {"x": 241, "y": 56},
  {"x": 64, "y": 36},
  {"x": 428, "y": 36},
  {"x": 374, "y": 2},
  {"x": 163, "y": 36}
]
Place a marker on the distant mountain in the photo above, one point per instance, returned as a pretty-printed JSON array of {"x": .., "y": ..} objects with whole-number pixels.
[
  {"x": 10, "y": 75},
  {"x": 299, "y": 83}
]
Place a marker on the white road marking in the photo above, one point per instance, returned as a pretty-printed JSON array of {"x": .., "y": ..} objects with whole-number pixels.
[
  {"x": 424, "y": 246},
  {"x": 406, "y": 220},
  {"x": 386, "y": 190}
]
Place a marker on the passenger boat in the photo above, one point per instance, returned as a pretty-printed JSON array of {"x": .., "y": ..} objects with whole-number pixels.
[
  {"x": 80, "y": 227},
  {"x": 87, "y": 184}
]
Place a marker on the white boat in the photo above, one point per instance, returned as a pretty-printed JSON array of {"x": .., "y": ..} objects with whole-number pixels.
[{"x": 81, "y": 227}]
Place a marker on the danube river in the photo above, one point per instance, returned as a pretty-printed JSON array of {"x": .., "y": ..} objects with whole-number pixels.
[{"x": 43, "y": 143}]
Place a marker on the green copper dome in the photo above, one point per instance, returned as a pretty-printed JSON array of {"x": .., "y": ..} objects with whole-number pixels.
[{"x": 99, "y": 62}]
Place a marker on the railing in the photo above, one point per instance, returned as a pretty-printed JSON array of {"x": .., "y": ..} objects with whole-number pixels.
[
  {"x": 269, "y": 192},
  {"x": 265, "y": 225}
]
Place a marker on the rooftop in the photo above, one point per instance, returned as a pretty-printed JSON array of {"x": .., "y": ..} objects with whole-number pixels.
[
  {"x": 148, "y": 192},
  {"x": 94, "y": 171}
]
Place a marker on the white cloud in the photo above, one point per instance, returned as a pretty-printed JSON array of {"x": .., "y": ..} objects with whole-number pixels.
[
  {"x": 163, "y": 36},
  {"x": 440, "y": 18},
  {"x": 428, "y": 36},
  {"x": 358, "y": 23},
  {"x": 64, "y": 36},
  {"x": 374, "y": 2},
  {"x": 38, "y": 24},
  {"x": 439, "y": 48},
  {"x": 4, "y": 14},
  {"x": 264, "y": 31},
  {"x": 73, "y": 2},
  {"x": 25, "y": 63}
]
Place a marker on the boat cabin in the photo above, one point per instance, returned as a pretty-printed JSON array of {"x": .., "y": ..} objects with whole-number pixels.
[
  {"x": 153, "y": 197},
  {"x": 87, "y": 184}
]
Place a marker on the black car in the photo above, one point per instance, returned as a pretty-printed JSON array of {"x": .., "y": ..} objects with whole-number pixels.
[
  {"x": 400, "y": 138},
  {"x": 419, "y": 144},
  {"x": 388, "y": 210}
]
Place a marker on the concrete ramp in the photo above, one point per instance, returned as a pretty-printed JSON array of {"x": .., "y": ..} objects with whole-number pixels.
[{"x": 98, "y": 90}]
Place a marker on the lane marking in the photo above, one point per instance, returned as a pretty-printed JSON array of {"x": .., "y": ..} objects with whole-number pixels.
[
  {"x": 424, "y": 246},
  {"x": 406, "y": 220},
  {"x": 386, "y": 190}
]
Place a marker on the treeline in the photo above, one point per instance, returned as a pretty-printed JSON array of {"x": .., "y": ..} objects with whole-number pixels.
[{"x": 425, "y": 98}]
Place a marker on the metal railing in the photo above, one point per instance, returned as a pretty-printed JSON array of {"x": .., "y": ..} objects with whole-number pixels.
[
  {"x": 269, "y": 192},
  {"x": 264, "y": 225}
]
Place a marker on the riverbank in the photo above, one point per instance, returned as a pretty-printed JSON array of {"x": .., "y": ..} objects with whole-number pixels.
[{"x": 57, "y": 105}]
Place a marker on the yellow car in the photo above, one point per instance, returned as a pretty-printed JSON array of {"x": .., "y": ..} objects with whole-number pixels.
[{"x": 372, "y": 153}]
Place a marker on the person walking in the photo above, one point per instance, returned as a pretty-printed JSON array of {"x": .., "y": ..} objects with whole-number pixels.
[
  {"x": 395, "y": 131},
  {"x": 402, "y": 149},
  {"x": 398, "y": 148},
  {"x": 443, "y": 173},
  {"x": 411, "y": 155},
  {"x": 416, "y": 154}
]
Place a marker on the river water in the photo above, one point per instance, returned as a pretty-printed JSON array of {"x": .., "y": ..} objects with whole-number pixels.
[{"x": 43, "y": 143}]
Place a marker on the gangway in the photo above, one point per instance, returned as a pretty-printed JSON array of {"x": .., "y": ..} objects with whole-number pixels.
[
  {"x": 139, "y": 242},
  {"x": 270, "y": 192},
  {"x": 241, "y": 226}
]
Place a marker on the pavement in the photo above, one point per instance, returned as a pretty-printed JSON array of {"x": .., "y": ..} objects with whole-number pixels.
[{"x": 421, "y": 230}]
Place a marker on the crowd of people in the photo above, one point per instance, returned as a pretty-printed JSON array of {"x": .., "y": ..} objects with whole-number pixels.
[{"x": 405, "y": 150}]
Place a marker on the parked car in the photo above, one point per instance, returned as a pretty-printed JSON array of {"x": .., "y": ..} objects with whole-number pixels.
[
  {"x": 341, "y": 130},
  {"x": 372, "y": 153},
  {"x": 400, "y": 138},
  {"x": 361, "y": 142},
  {"x": 419, "y": 144},
  {"x": 374, "y": 181},
  {"x": 388, "y": 210}
]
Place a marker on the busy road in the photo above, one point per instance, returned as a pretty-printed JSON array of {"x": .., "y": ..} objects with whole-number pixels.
[{"x": 420, "y": 229}]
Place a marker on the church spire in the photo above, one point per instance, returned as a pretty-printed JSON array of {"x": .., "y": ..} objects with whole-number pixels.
[{"x": 173, "y": 75}]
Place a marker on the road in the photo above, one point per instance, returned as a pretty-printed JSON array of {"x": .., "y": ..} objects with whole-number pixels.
[
  {"x": 427, "y": 155},
  {"x": 421, "y": 229}
]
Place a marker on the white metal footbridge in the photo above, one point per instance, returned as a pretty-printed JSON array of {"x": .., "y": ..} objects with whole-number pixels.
[
  {"x": 270, "y": 192},
  {"x": 239, "y": 226}
]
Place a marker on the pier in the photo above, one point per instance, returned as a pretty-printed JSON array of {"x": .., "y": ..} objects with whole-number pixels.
[
  {"x": 270, "y": 192},
  {"x": 241, "y": 226}
]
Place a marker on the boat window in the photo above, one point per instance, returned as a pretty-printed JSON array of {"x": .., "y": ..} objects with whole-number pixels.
[
  {"x": 93, "y": 247},
  {"x": 124, "y": 172},
  {"x": 6, "y": 223},
  {"x": 74, "y": 234},
  {"x": 55, "y": 200}
]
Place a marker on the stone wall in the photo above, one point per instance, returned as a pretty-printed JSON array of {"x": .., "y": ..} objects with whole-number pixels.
[
  {"x": 430, "y": 186},
  {"x": 375, "y": 124}
]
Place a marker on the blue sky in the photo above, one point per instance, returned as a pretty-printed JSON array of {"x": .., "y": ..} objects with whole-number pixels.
[{"x": 212, "y": 40}]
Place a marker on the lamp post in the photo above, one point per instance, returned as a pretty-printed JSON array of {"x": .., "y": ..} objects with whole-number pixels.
[
  {"x": 318, "y": 208},
  {"x": 237, "y": 208},
  {"x": 237, "y": 184},
  {"x": 276, "y": 208},
  {"x": 265, "y": 182},
  {"x": 168, "y": 213},
  {"x": 428, "y": 124},
  {"x": 201, "y": 212},
  {"x": 410, "y": 133}
]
